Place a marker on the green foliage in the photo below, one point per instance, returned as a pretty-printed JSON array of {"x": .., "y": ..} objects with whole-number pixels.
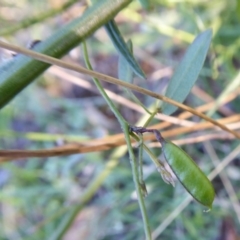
[
  {"x": 187, "y": 72},
  {"x": 21, "y": 71},
  {"x": 38, "y": 194},
  {"x": 122, "y": 47},
  {"x": 125, "y": 72}
]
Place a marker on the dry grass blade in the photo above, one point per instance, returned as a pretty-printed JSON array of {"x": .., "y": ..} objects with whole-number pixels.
[{"x": 105, "y": 143}]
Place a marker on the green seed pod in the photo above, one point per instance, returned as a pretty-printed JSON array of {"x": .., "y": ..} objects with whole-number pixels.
[{"x": 189, "y": 174}]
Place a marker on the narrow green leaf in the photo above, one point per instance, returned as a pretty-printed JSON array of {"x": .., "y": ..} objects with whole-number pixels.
[
  {"x": 187, "y": 71},
  {"x": 125, "y": 73},
  {"x": 19, "y": 72},
  {"x": 124, "y": 70},
  {"x": 121, "y": 46}
]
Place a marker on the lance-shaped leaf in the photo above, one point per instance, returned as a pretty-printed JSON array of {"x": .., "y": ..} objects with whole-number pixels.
[
  {"x": 187, "y": 71},
  {"x": 125, "y": 71},
  {"x": 22, "y": 70},
  {"x": 122, "y": 47}
]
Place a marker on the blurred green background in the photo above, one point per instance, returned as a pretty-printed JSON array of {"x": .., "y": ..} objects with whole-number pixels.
[{"x": 38, "y": 195}]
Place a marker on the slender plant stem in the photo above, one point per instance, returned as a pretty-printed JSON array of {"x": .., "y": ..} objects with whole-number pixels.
[
  {"x": 166, "y": 176},
  {"x": 133, "y": 160},
  {"x": 137, "y": 185},
  {"x": 151, "y": 117},
  {"x": 140, "y": 166},
  {"x": 117, "y": 114},
  {"x": 140, "y": 160},
  {"x": 136, "y": 100}
]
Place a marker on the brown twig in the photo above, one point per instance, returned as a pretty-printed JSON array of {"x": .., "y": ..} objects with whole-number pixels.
[{"x": 105, "y": 143}]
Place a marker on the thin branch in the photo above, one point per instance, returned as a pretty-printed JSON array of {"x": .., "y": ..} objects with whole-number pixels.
[
  {"x": 133, "y": 161},
  {"x": 78, "y": 68},
  {"x": 106, "y": 143}
]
